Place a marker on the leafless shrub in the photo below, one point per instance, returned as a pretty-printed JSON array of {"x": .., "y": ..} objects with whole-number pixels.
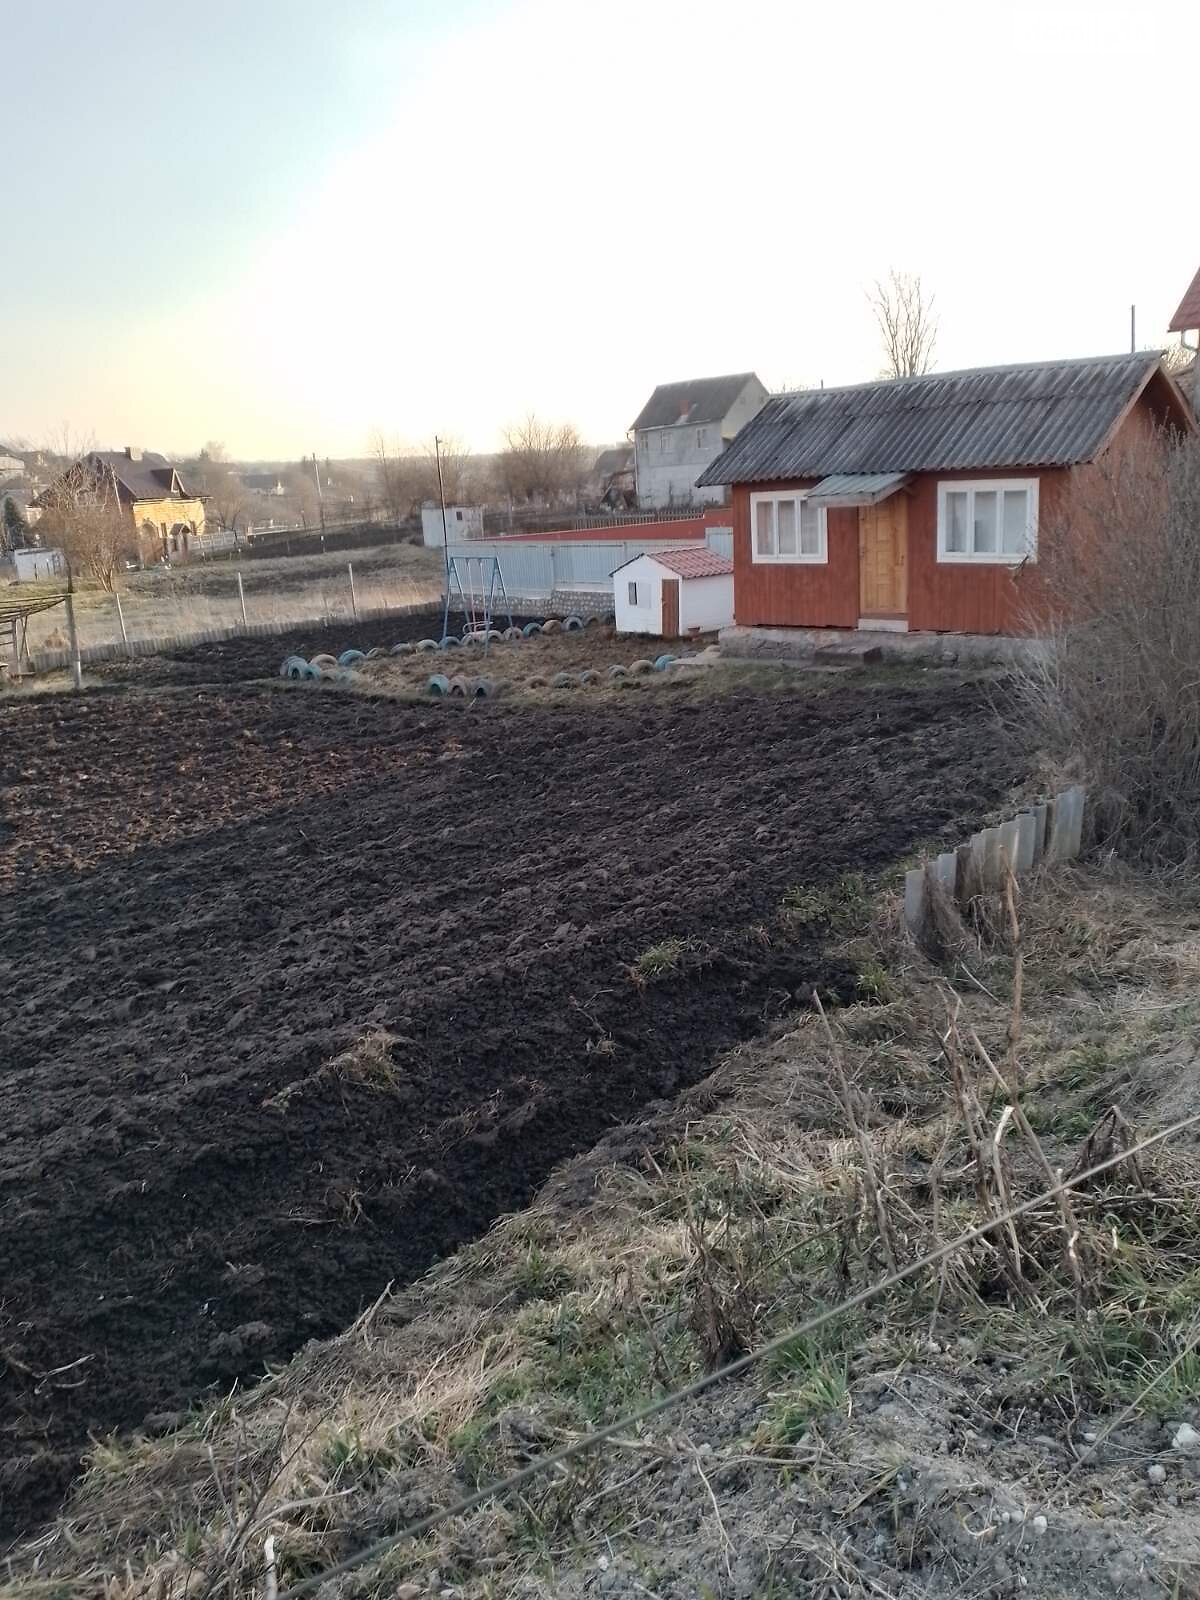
[
  {"x": 82, "y": 515},
  {"x": 1116, "y": 698}
]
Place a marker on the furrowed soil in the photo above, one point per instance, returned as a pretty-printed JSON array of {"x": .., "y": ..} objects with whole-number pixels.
[{"x": 301, "y": 989}]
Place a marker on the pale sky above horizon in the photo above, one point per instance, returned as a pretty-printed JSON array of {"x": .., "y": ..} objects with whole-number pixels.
[{"x": 285, "y": 224}]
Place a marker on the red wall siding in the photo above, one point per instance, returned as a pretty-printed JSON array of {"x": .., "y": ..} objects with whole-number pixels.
[
  {"x": 967, "y": 597},
  {"x": 801, "y": 595}
]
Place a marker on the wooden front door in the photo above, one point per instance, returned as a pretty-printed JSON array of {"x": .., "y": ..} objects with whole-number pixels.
[
  {"x": 883, "y": 560},
  {"x": 670, "y": 608}
]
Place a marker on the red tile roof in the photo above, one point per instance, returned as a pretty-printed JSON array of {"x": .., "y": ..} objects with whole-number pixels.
[
  {"x": 697, "y": 563},
  {"x": 1188, "y": 315}
]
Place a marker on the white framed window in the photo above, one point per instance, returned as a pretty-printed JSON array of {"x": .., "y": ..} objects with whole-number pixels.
[
  {"x": 701, "y": 438},
  {"x": 662, "y": 441},
  {"x": 633, "y": 594},
  {"x": 994, "y": 520},
  {"x": 784, "y": 527}
]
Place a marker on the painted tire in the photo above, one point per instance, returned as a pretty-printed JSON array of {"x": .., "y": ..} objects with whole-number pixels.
[
  {"x": 449, "y": 643},
  {"x": 349, "y": 657},
  {"x": 639, "y": 668},
  {"x": 531, "y": 629},
  {"x": 404, "y": 649},
  {"x": 473, "y": 639},
  {"x": 484, "y": 688},
  {"x": 494, "y": 636},
  {"x": 323, "y": 661},
  {"x": 618, "y": 672},
  {"x": 609, "y": 619},
  {"x": 590, "y": 622},
  {"x": 572, "y": 624},
  {"x": 425, "y": 645},
  {"x": 377, "y": 653},
  {"x": 512, "y": 635},
  {"x": 590, "y": 677},
  {"x": 459, "y": 689},
  {"x": 313, "y": 674},
  {"x": 535, "y": 683},
  {"x": 563, "y": 680},
  {"x": 663, "y": 662},
  {"x": 439, "y": 684},
  {"x": 292, "y": 666},
  {"x": 552, "y": 625}
]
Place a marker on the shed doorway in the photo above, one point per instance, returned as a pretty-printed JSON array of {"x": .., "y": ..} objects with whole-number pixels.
[
  {"x": 883, "y": 564},
  {"x": 670, "y": 608}
]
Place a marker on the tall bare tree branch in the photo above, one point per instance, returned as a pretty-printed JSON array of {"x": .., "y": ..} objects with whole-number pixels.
[{"x": 907, "y": 324}]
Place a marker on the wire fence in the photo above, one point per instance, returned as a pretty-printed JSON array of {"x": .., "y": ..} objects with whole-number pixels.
[{"x": 176, "y": 613}]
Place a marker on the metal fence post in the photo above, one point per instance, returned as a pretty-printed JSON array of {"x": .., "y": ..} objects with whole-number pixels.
[
  {"x": 73, "y": 636},
  {"x": 242, "y": 599},
  {"x": 353, "y": 596},
  {"x": 121, "y": 620}
]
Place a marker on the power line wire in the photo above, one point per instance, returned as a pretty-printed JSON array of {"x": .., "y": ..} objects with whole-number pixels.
[{"x": 654, "y": 1408}]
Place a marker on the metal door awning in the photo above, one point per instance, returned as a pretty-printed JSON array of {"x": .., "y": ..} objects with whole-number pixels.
[{"x": 856, "y": 488}]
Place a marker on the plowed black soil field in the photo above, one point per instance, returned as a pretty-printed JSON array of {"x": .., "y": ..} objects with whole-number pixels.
[{"x": 209, "y": 895}]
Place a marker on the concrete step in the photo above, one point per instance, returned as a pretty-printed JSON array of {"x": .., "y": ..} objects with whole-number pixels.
[{"x": 851, "y": 653}]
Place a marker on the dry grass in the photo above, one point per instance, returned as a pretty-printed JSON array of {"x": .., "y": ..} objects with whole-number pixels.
[{"x": 799, "y": 1172}]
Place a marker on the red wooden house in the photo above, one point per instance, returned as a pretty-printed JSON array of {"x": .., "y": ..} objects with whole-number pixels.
[{"x": 915, "y": 503}]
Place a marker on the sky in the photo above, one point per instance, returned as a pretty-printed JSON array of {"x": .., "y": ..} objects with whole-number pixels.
[{"x": 288, "y": 225}]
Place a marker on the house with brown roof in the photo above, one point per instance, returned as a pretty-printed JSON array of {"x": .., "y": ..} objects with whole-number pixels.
[
  {"x": 682, "y": 428},
  {"x": 165, "y": 517},
  {"x": 921, "y": 504}
]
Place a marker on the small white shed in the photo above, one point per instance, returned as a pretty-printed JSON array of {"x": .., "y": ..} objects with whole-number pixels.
[
  {"x": 462, "y": 522},
  {"x": 33, "y": 566},
  {"x": 671, "y": 593}
]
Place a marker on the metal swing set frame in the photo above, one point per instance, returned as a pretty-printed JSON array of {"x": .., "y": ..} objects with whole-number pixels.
[{"x": 479, "y": 585}]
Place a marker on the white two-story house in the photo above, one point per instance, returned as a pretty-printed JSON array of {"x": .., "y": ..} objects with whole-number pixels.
[{"x": 685, "y": 426}]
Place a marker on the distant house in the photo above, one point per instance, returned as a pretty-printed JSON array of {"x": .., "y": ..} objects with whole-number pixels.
[
  {"x": 671, "y": 593},
  {"x": 613, "y": 479},
  {"x": 164, "y": 516},
  {"x": 919, "y": 503},
  {"x": 11, "y": 464},
  {"x": 264, "y": 483},
  {"x": 682, "y": 428}
]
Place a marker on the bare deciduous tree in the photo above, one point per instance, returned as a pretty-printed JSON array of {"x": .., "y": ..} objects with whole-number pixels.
[
  {"x": 541, "y": 460},
  {"x": 907, "y": 325},
  {"x": 1116, "y": 593},
  {"x": 228, "y": 496},
  {"x": 83, "y": 516},
  {"x": 397, "y": 477},
  {"x": 458, "y": 471}
]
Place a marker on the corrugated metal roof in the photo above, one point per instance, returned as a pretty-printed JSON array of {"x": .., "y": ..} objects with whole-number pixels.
[
  {"x": 695, "y": 400},
  {"x": 1188, "y": 315},
  {"x": 856, "y": 488},
  {"x": 1052, "y": 413}
]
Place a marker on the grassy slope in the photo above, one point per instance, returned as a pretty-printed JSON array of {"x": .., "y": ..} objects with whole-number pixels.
[{"x": 909, "y": 1449}]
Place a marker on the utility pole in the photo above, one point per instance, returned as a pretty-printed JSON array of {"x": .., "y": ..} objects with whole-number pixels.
[{"x": 437, "y": 452}]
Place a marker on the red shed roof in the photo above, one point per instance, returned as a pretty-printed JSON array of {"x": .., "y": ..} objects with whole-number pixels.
[
  {"x": 1188, "y": 315},
  {"x": 698, "y": 563}
]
